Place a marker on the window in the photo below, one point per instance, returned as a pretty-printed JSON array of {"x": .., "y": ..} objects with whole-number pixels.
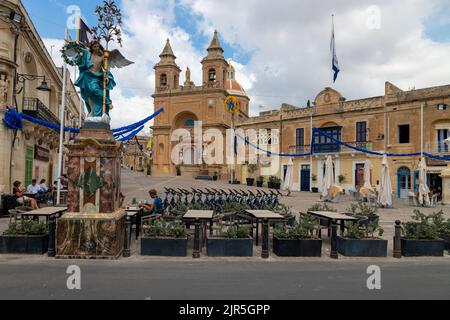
[
  {"x": 212, "y": 75},
  {"x": 164, "y": 79},
  {"x": 403, "y": 133},
  {"x": 300, "y": 137},
  {"x": 189, "y": 123},
  {"x": 361, "y": 131},
  {"x": 324, "y": 144},
  {"x": 442, "y": 136}
]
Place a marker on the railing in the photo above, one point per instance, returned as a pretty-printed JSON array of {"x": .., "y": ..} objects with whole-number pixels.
[
  {"x": 331, "y": 147},
  {"x": 36, "y": 109},
  {"x": 437, "y": 148}
]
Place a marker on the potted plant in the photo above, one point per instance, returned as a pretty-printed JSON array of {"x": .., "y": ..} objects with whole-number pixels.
[
  {"x": 251, "y": 179},
  {"x": 235, "y": 241},
  {"x": 215, "y": 176},
  {"x": 363, "y": 241},
  {"x": 341, "y": 178},
  {"x": 164, "y": 239},
  {"x": 314, "y": 189},
  {"x": 260, "y": 182},
  {"x": 445, "y": 234},
  {"x": 178, "y": 170},
  {"x": 274, "y": 183},
  {"x": 299, "y": 241},
  {"x": 422, "y": 236},
  {"x": 26, "y": 237}
]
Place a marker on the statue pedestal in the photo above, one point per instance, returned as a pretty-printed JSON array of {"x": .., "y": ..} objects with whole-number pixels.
[
  {"x": 94, "y": 225},
  {"x": 446, "y": 187}
]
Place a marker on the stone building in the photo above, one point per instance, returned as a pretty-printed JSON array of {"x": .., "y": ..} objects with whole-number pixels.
[
  {"x": 137, "y": 156},
  {"x": 184, "y": 104},
  {"x": 30, "y": 82},
  {"x": 390, "y": 123}
]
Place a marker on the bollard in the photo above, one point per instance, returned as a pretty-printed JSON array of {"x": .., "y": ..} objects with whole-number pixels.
[
  {"x": 334, "y": 245},
  {"x": 127, "y": 243},
  {"x": 265, "y": 240},
  {"x": 398, "y": 240},
  {"x": 52, "y": 237},
  {"x": 196, "y": 254}
]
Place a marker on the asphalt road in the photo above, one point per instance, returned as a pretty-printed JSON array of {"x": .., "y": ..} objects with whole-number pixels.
[{"x": 229, "y": 280}]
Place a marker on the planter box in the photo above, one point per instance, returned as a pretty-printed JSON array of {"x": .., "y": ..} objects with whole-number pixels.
[
  {"x": 446, "y": 238},
  {"x": 276, "y": 186},
  {"x": 362, "y": 248},
  {"x": 422, "y": 248},
  {"x": 297, "y": 248},
  {"x": 166, "y": 247},
  {"x": 259, "y": 184},
  {"x": 222, "y": 247},
  {"x": 21, "y": 244},
  {"x": 315, "y": 190},
  {"x": 250, "y": 182}
]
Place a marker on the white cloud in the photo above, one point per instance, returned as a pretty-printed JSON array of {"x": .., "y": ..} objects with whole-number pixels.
[
  {"x": 290, "y": 40},
  {"x": 289, "y": 45}
]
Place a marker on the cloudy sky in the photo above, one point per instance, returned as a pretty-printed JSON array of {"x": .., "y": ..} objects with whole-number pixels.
[{"x": 280, "y": 49}]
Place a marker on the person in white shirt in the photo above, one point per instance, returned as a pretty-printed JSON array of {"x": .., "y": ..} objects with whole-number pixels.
[
  {"x": 43, "y": 186},
  {"x": 33, "y": 188}
]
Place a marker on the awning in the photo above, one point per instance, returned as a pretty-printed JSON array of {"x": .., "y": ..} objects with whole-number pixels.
[{"x": 435, "y": 170}]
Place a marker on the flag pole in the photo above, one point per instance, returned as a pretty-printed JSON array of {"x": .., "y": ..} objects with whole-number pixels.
[
  {"x": 61, "y": 130},
  {"x": 331, "y": 48}
]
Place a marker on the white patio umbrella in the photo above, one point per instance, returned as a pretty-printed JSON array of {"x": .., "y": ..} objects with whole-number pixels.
[
  {"x": 328, "y": 179},
  {"x": 289, "y": 178},
  {"x": 385, "y": 195},
  {"x": 368, "y": 174},
  {"x": 424, "y": 191}
]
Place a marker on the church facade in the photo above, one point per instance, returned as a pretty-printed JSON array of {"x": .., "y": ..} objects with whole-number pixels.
[{"x": 185, "y": 104}]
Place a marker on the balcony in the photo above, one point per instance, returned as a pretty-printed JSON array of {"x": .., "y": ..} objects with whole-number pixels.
[
  {"x": 331, "y": 148},
  {"x": 440, "y": 148},
  {"x": 36, "y": 109}
]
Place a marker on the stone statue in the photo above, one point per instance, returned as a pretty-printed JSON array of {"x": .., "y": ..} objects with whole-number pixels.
[
  {"x": 3, "y": 89},
  {"x": 188, "y": 75}
]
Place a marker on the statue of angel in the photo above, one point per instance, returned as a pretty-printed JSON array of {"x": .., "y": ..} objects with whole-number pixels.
[{"x": 95, "y": 80}]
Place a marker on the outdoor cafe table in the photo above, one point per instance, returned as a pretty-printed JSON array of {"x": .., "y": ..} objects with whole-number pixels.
[
  {"x": 136, "y": 213},
  {"x": 260, "y": 215},
  {"x": 331, "y": 217},
  {"x": 46, "y": 212},
  {"x": 203, "y": 216}
]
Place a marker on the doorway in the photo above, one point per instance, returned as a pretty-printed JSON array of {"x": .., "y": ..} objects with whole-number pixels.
[
  {"x": 403, "y": 182},
  {"x": 305, "y": 178}
]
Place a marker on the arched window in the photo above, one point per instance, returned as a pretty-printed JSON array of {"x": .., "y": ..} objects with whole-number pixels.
[
  {"x": 212, "y": 75},
  {"x": 164, "y": 79}
]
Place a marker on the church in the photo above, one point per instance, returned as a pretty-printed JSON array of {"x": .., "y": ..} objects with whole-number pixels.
[{"x": 190, "y": 102}]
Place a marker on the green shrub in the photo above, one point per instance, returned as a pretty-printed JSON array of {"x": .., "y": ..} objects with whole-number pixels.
[
  {"x": 162, "y": 229},
  {"x": 236, "y": 232},
  {"x": 355, "y": 231},
  {"x": 362, "y": 209},
  {"x": 27, "y": 227},
  {"x": 306, "y": 228},
  {"x": 274, "y": 180},
  {"x": 425, "y": 227},
  {"x": 322, "y": 207}
]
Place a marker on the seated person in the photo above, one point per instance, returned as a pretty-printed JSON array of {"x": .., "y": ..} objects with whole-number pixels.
[
  {"x": 155, "y": 205},
  {"x": 18, "y": 192},
  {"x": 33, "y": 188},
  {"x": 43, "y": 186}
]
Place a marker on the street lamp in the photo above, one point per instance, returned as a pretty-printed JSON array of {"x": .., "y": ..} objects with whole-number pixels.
[{"x": 28, "y": 77}]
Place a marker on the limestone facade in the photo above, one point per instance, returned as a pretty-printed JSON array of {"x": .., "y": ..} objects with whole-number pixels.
[{"x": 35, "y": 148}]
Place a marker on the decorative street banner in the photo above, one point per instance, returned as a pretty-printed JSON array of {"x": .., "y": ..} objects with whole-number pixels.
[
  {"x": 41, "y": 154},
  {"x": 232, "y": 105}
]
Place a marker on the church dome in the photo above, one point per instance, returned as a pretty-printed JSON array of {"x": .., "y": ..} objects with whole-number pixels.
[{"x": 231, "y": 85}]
